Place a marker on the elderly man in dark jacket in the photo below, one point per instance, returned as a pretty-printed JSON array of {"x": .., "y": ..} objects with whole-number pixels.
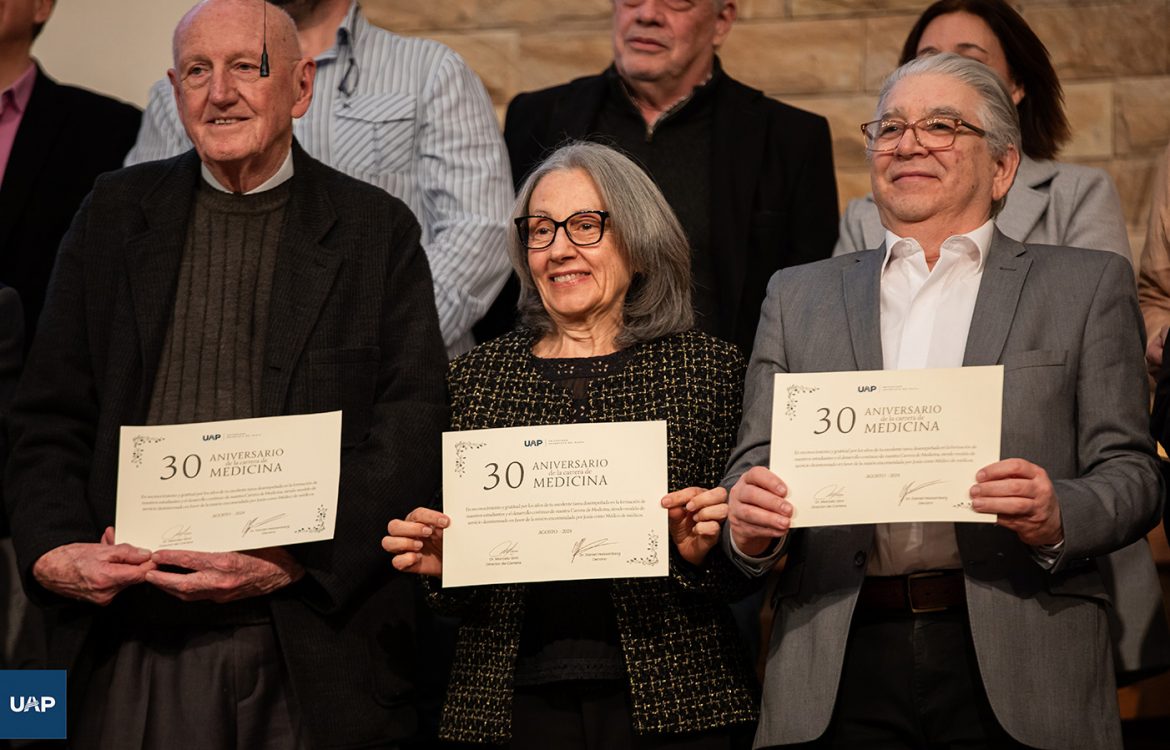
[{"x": 241, "y": 279}]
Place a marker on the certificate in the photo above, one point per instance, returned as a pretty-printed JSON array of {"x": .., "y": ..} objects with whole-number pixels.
[
  {"x": 229, "y": 486},
  {"x": 885, "y": 446},
  {"x": 555, "y": 502}
]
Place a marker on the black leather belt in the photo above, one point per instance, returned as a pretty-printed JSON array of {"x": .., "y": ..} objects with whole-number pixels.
[{"x": 929, "y": 591}]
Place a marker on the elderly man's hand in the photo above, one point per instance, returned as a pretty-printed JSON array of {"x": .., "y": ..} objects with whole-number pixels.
[
  {"x": 1155, "y": 347},
  {"x": 92, "y": 572},
  {"x": 695, "y": 518},
  {"x": 758, "y": 512},
  {"x": 225, "y": 576},
  {"x": 1020, "y": 493},
  {"x": 417, "y": 542}
]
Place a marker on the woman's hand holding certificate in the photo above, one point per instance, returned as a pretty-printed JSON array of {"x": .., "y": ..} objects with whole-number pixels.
[
  {"x": 417, "y": 542},
  {"x": 695, "y": 518}
]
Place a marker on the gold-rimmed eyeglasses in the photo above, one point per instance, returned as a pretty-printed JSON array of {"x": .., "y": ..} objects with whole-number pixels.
[{"x": 932, "y": 133}]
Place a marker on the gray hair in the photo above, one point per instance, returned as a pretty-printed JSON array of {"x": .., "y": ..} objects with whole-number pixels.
[
  {"x": 645, "y": 231},
  {"x": 997, "y": 114}
]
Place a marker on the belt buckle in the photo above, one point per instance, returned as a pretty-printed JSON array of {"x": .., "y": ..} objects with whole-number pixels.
[{"x": 914, "y": 608}]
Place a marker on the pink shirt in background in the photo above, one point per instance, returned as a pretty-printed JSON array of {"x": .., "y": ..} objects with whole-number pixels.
[{"x": 13, "y": 102}]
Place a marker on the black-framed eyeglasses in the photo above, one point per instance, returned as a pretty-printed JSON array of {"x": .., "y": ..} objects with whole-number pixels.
[
  {"x": 583, "y": 228},
  {"x": 932, "y": 133}
]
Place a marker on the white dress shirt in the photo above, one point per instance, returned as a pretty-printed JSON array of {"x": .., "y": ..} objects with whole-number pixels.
[
  {"x": 925, "y": 317},
  {"x": 282, "y": 175}
]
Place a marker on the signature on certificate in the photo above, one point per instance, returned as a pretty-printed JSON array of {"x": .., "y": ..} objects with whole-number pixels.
[
  {"x": 262, "y": 524},
  {"x": 910, "y": 488},
  {"x": 581, "y": 546},
  {"x": 504, "y": 549},
  {"x": 177, "y": 535},
  {"x": 830, "y": 492}
]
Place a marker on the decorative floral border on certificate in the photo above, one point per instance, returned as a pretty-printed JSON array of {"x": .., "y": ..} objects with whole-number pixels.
[
  {"x": 461, "y": 449},
  {"x": 140, "y": 441},
  {"x": 318, "y": 525},
  {"x": 793, "y": 392},
  {"x": 652, "y": 551}
]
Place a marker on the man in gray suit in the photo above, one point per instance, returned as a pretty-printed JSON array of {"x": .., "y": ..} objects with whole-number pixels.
[{"x": 947, "y": 635}]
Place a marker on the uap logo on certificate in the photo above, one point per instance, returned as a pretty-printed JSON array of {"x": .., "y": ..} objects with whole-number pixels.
[{"x": 555, "y": 502}]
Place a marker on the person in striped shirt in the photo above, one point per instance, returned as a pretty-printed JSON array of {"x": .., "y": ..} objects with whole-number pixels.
[{"x": 409, "y": 116}]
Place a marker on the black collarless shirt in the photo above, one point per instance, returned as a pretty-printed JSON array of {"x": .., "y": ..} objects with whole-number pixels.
[{"x": 676, "y": 152}]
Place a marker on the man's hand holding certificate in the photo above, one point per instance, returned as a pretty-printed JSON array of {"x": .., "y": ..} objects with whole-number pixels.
[{"x": 885, "y": 446}]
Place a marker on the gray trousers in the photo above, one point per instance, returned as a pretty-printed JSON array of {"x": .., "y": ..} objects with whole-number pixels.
[{"x": 221, "y": 688}]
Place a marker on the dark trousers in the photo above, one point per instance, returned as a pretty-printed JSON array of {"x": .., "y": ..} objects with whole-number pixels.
[
  {"x": 219, "y": 688},
  {"x": 912, "y": 681}
]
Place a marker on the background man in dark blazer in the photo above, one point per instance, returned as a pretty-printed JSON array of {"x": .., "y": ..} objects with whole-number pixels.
[
  {"x": 54, "y": 140},
  {"x": 18, "y": 647},
  {"x": 954, "y": 635},
  {"x": 750, "y": 178},
  {"x": 241, "y": 279},
  {"x": 62, "y": 138}
]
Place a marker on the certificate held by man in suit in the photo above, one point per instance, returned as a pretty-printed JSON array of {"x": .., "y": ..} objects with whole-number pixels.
[{"x": 885, "y": 446}]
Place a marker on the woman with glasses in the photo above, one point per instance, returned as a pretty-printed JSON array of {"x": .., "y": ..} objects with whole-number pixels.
[
  {"x": 1051, "y": 202},
  {"x": 606, "y": 336}
]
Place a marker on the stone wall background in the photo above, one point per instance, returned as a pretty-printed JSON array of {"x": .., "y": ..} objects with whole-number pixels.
[{"x": 830, "y": 56}]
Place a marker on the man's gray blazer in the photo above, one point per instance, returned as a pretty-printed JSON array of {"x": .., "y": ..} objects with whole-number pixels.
[
  {"x": 1068, "y": 334},
  {"x": 1054, "y": 203}
]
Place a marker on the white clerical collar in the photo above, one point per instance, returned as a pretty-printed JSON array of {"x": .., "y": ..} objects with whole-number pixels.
[
  {"x": 282, "y": 175},
  {"x": 980, "y": 238}
]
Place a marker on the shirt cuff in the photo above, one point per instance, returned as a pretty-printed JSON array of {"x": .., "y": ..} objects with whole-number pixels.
[
  {"x": 1046, "y": 555},
  {"x": 758, "y": 566}
]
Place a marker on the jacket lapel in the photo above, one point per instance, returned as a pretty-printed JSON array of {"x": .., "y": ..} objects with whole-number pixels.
[
  {"x": 995, "y": 306},
  {"x": 153, "y": 257},
  {"x": 40, "y": 127},
  {"x": 861, "y": 284},
  {"x": 738, "y": 137},
  {"x": 1025, "y": 204},
  {"x": 305, "y": 270}
]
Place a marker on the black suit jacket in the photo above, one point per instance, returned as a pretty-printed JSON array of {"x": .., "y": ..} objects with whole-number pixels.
[
  {"x": 67, "y": 137},
  {"x": 1160, "y": 423},
  {"x": 11, "y": 359},
  {"x": 352, "y": 326},
  {"x": 773, "y": 189}
]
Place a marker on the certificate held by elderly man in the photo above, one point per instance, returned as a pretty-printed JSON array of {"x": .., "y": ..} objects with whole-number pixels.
[
  {"x": 228, "y": 486},
  {"x": 885, "y": 446},
  {"x": 555, "y": 502}
]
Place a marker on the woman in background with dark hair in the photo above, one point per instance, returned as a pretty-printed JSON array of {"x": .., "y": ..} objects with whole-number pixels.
[{"x": 1051, "y": 202}]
